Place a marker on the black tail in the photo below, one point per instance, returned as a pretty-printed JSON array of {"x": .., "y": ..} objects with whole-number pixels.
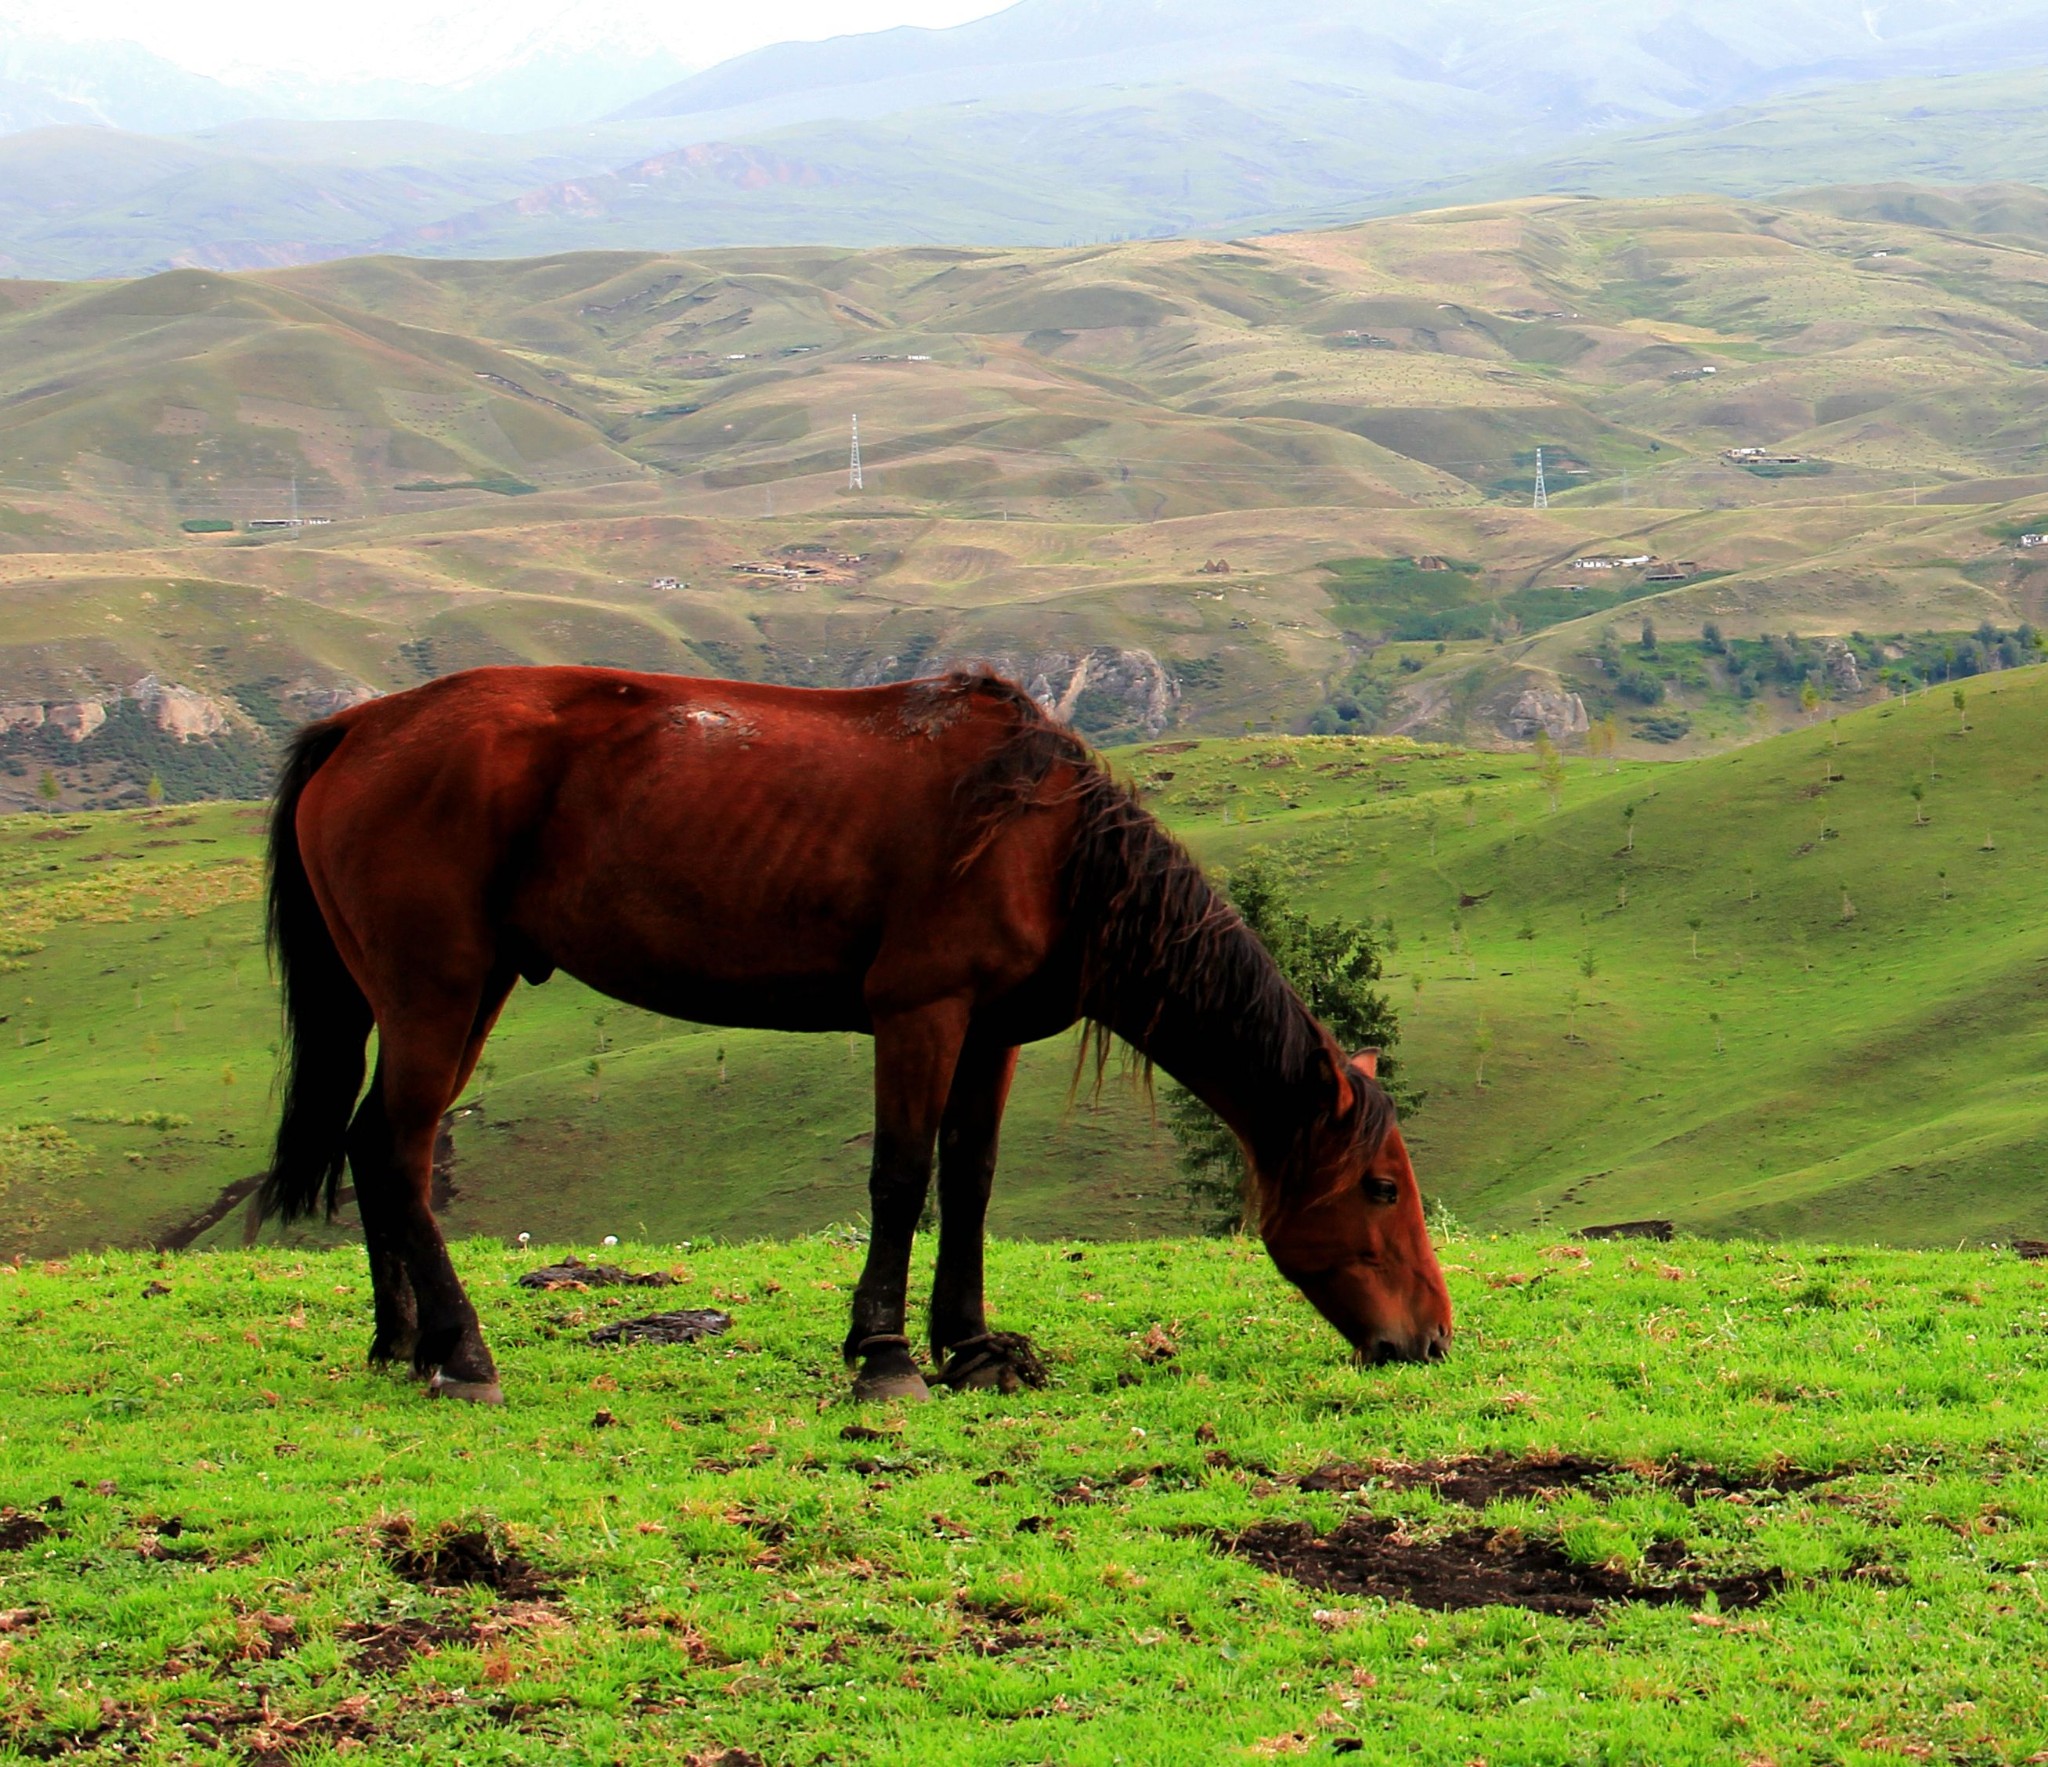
[{"x": 326, "y": 1019}]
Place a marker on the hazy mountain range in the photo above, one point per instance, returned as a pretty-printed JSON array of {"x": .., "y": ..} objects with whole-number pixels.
[{"x": 1054, "y": 121}]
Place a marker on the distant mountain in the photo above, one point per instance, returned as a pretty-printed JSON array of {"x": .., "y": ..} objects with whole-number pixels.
[
  {"x": 1580, "y": 64},
  {"x": 44, "y": 81},
  {"x": 550, "y": 79},
  {"x": 1054, "y": 122}
]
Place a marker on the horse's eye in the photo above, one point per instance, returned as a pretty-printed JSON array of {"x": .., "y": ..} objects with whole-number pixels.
[{"x": 1381, "y": 1190}]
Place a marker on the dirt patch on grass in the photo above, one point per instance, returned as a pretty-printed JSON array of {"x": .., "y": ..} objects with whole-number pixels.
[
  {"x": 257, "y": 1734},
  {"x": 384, "y": 1648},
  {"x": 683, "y": 1326},
  {"x": 1473, "y": 1567},
  {"x": 1479, "y": 1479},
  {"x": 461, "y": 1558},
  {"x": 20, "y": 1528},
  {"x": 572, "y": 1272}
]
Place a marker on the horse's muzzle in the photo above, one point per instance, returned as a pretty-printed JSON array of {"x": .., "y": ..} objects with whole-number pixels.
[{"x": 1432, "y": 1346}]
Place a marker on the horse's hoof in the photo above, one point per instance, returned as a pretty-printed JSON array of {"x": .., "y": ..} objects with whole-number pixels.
[
  {"x": 984, "y": 1377},
  {"x": 997, "y": 1361},
  {"x": 477, "y": 1392},
  {"x": 898, "y": 1388}
]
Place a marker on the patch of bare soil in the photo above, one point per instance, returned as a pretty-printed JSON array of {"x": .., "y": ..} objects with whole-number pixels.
[
  {"x": 683, "y": 1326},
  {"x": 384, "y": 1648},
  {"x": 461, "y": 1558},
  {"x": 572, "y": 1272},
  {"x": 1473, "y": 1567},
  {"x": 270, "y": 1741},
  {"x": 21, "y": 1528},
  {"x": 259, "y": 1735},
  {"x": 1479, "y": 1479}
]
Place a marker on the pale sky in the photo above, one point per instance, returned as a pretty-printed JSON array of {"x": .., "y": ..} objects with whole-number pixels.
[{"x": 443, "y": 41}]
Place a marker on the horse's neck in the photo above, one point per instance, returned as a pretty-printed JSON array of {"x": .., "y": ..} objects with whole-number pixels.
[{"x": 1228, "y": 1028}]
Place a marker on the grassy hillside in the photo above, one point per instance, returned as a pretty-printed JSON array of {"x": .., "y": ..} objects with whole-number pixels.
[
  {"x": 1779, "y": 1005},
  {"x": 225, "y": 1541},
  {"x": 1856, "y": 1050}
]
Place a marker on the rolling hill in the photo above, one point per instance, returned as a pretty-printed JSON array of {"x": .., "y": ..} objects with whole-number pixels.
[
  {"x": 1195, "y": 472},
  {"x": 1764, "y": 992}
]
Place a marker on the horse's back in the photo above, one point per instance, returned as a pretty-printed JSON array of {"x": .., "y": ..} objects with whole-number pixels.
[{"x": 727, "y": 850}]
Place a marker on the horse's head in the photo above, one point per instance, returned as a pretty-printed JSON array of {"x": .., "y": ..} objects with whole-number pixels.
[{"x": 1346, "y": 1227}]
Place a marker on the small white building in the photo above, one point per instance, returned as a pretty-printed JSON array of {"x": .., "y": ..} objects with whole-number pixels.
[{"x": 2034, "y": 539}]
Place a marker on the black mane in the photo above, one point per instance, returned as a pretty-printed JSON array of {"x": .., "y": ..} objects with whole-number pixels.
[{"x": 1155, "y": 938}]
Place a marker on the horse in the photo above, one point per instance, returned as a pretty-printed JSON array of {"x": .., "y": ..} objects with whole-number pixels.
[{"x": 937, "y": 864}]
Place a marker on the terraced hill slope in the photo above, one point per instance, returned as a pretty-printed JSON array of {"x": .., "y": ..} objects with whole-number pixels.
[{"x": 642, "y": 459}]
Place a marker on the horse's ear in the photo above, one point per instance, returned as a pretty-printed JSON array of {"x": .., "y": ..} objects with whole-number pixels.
[
  {"x": 1336, "y": 1074},
  {"x": 1367, "y": 1061}
]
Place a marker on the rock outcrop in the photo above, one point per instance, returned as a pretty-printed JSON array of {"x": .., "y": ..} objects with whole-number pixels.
[
  {"x": 1839, "y": 663},
  {"x": 76, "y": 719},
  {"x": 1557, "y": 714},
  {"x": 177, "y": 711},
  {"x": 1103, "y": 690},
  {"x": 311, "y": 699}
]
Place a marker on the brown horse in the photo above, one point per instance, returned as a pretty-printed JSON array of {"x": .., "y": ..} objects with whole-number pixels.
[{"x": 937, "y": 864}]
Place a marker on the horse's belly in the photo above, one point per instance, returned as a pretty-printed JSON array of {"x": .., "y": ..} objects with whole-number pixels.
[{"x": 817, "y": 1002}]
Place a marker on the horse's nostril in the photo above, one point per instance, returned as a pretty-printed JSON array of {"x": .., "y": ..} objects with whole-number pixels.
[{"x": 1438, "y": 1347}]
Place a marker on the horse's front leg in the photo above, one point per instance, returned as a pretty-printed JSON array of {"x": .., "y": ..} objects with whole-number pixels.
[
  {"x": 968, "y": 1136},
  {"x": 915, "y": 1055}
]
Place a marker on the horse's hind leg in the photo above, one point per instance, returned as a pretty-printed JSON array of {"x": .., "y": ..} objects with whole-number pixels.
[
  {"x": 915, "y": 1054},
  {"x": 397, "y": 1313},
  {"x": 423, "y": 1063},
  {"x": 968, "y": 1135}
]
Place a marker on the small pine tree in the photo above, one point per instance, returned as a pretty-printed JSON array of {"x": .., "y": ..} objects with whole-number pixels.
[{"x": 1333, "y": 965}]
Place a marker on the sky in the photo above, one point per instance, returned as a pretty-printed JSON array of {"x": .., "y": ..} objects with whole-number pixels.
[{"x": 439, "y": 42}]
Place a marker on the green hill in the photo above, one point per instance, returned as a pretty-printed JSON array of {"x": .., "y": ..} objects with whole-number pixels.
[{"x": 1857, "y": 1050}]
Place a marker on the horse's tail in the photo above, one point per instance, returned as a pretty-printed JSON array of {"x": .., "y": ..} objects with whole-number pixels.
[{"x": 326, "y": 1017}]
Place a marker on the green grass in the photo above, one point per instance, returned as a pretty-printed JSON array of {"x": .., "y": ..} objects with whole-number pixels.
[{"x": 730, "y": 1570}]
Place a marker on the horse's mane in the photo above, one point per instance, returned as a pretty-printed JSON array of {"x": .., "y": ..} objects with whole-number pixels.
[{"x": 1154, "y": 935}]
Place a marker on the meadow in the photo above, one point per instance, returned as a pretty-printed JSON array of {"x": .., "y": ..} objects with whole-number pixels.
[{"x": 1688, "y": 1502}]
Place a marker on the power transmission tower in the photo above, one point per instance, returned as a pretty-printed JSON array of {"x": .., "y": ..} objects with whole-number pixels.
[
  {"x": 295, "y": 499},
  {"x": 1542, "y": 496},
  {"x": 853, "y": 478}
]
